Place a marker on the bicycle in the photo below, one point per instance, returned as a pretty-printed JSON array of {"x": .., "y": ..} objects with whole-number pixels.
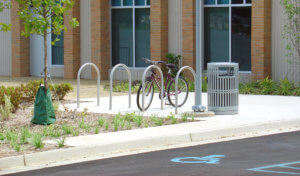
[{"x": 169, "y": 87}]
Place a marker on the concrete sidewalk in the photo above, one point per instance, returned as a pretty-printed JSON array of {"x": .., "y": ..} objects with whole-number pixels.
[{"x": 259, "y": 115}]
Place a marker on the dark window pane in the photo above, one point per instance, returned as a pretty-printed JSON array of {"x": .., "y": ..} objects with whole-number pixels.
[
  {"x": 209, "y": 2},
  {"x": 122, "y": 42},
  {"x": 142, "y": 36},
  {"x": 241, "y": 37},
  {"x": 115, "y": 2},
  {"x": 127, "y": 2},
  {"x": 58, "y": 49},
  {"x": 223, "y": 1},
  {"x": 216, "y": 30},
  {"x": 249, "y": 1},
  {"x": 237, "y": 1},
  {"x": 148, "y": 2},
  {"x": 139, "y": 2}
]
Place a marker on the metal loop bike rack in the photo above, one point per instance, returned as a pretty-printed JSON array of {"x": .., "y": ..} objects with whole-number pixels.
[
  {"x": 129, "y": 84},
  {"x": 176, "y": 85},
  {"x": 143, "y": 86},
  {"x": 98, "y": 82}
]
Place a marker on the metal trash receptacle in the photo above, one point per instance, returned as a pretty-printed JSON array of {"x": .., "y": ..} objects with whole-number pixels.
[{"x": 223, "y": 88}]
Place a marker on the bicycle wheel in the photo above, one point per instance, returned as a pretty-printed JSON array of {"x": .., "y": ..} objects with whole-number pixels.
[
  {"x": 149, "y": 92},
  {"x": 183, "y": 92}
]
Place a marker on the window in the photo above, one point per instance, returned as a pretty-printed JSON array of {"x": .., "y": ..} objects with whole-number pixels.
[
  {"x": 227, "y": 28},
  {"x": 130, "y": 26},
  {"x": 58, "y": 49}
]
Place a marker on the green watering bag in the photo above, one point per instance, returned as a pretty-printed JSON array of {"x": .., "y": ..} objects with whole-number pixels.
[{"x": 43, "y": 108}]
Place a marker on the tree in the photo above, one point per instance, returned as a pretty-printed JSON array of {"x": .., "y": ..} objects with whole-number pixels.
[
  {"x": 291, "y": 30},
  {"x": 4, "y": 4},
  {"x": 42, "y": 16}
]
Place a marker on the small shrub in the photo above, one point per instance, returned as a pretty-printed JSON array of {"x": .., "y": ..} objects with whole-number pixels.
[
  {"x": 176, "y": 60},
  {"x": 11, "y": 136},
  {"x": 296, "y": 92},
  {"x": 285, "y": 87},
  {"x": 157, "y": 121},
  {"x": 267, "y": 86},
  {"x": 5, "y": 110},
  {"x": 129, "y": 126},
  {"x": 106, "y": 126},
  {"x": 67, "y": 129},
  {"x": 61, "y": 142},
  {"x": 37, "y": 141},
  {"x": 61, "y": 90},
  {"x": 2, "y": 137}
]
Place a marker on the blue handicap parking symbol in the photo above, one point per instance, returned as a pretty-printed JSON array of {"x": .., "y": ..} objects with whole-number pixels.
[
  {"x": 212, "y": 159},
  {"x": 292, "y": 170}
]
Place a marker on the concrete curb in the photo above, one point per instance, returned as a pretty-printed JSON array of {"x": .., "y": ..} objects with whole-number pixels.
[{"x": 77, "y": 153}]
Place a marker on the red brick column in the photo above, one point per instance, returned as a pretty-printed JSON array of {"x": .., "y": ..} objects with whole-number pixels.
[
  {"x": 189, "y": 33},
  {"x": 100, "y": 36},
  {"x": 159, "y": 29},
  {"x": 20, "y": 45},
  {"x": 72, "y": 43},
  {"x": 261, "y": 39}
]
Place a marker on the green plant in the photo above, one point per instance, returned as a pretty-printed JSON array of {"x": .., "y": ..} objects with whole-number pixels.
[
  {"x": 67, "y": 129},
  {"x": 53, "y": 132},
  {"x": 184, "y": 117},
  {"x": 296, "y": 92},
  {"x": 84, "y": 113},
  {"x": 106, "y": 126},
  {"x": 157, "y": 121},
  {"x": 25, "y": 135},
  {"x": 75, "y": 132},
  {"x": 285, "y": 87},
  {"x": 5, "y": 110},
  {"x": 97, "y": 130},
  {"x": 11, "y": 136},
  {"x": 267, "y": 86},
  {"x": 129, "y": 126},
  {"x": 101, "y": 122},
  {"x": 138, "y": 119},
  {"x": 61, "y": 142},
  {"x": 172, "y": 118},
  {"x": 14, "y": 94},
  {"x": 191, "y": 84},
  {"x": 5, "y": 4},
  {"x": 15, "y": 145},
  {"x": 2, "y": 136},
  {"x": 37, "y": 141}
]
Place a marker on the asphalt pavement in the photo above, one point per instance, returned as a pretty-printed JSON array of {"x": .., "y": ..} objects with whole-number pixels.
[{"x": 269, "y": 155}]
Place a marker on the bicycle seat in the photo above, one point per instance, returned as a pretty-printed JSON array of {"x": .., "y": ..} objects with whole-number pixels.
[
  {"x": 170, "y": 66},
  {"x": 148, "y": 61}
]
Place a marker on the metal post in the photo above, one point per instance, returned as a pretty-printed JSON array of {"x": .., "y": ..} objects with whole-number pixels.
[
  {"x": 98, "y": 82},
  {"x": 111, "y": 80},
  {"x": 143, "y": 86},
  {"x": 199, "y": 55},
  {"x": 176, "y": 85}
]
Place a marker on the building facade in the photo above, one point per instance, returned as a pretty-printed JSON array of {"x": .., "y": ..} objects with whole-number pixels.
[{"x": 124, "y": 31}]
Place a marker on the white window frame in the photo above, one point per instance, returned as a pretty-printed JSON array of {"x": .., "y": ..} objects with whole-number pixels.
[
  {"x": 230, "y": 5},
  {"x": 133, "y": 7}
]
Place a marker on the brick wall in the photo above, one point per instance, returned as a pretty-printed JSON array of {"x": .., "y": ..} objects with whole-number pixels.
[
  {"x": 189, "y": 33},
  {"x": 100, "y": 36},
  {"x": 159, "y": 29},
  {"x": 72, "y": 43},
  {"x": 261, "y": 39},
  {"x": 20, "y": 45}
]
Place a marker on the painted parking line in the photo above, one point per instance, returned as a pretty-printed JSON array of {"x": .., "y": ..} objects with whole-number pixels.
[
  {"x": 283, "y": 165},
  {"x": 211, "y": 159}
]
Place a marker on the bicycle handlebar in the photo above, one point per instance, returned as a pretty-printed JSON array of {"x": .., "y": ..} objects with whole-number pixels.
[{"x": 148, "y": 61}]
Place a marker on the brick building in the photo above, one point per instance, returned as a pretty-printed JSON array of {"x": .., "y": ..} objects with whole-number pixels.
[{"x": 124, "y": 31}]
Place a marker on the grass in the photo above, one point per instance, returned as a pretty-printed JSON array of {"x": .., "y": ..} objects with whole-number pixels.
[
  {"x": 61, "y": 142},
  {"x": 5, "y": 110},
  {"x": 172, "y": 118},
  {"x": 97, "y": 130},
  {"x": 37, "y": 141},
  {"x": 101, "y": 122},
  {"x": 184, "y": 117},
  {"x": 25, "y": 135},
  {"x": 67, "y": 129}
]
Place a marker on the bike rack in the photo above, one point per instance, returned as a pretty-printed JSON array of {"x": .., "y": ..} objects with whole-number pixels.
[
  {"x": 143, "y": 86},
  {"x": 176, "y": 84},
  {"x": 98, "y": 82},
  {"x": 111, "y": 80}
]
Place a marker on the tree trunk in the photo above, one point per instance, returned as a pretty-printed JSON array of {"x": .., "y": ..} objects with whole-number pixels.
[{"x": 45, "y": 62}]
